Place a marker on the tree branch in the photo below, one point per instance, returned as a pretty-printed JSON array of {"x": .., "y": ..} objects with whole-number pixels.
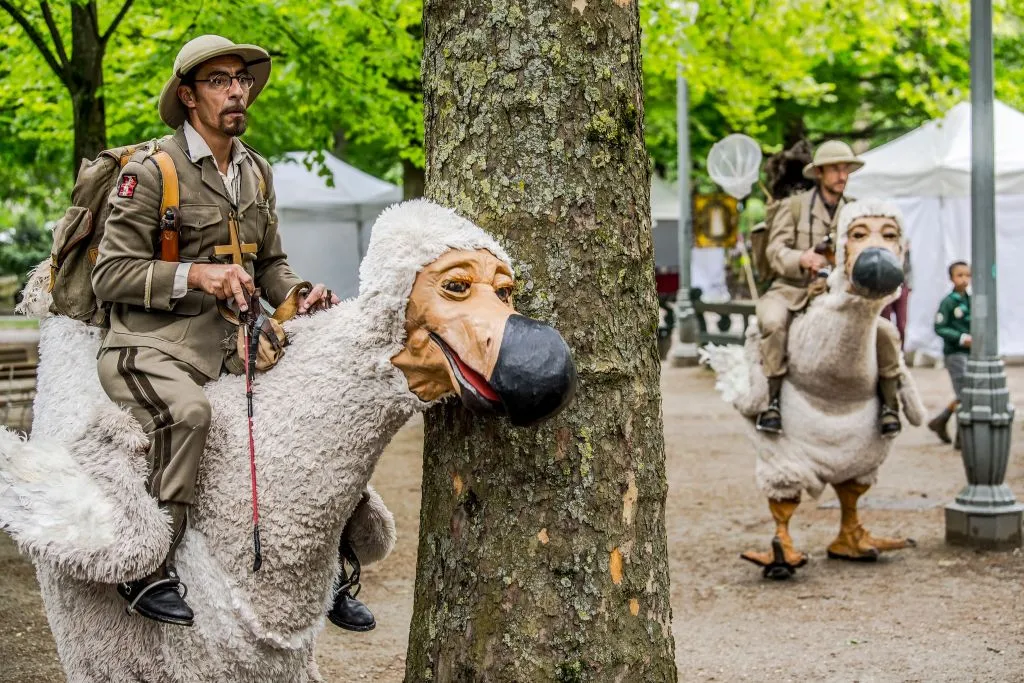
[
  {"x": 36, "y": 38},
  {"x": 117, "y": 20},
  {"x": 54, "y": 33}
]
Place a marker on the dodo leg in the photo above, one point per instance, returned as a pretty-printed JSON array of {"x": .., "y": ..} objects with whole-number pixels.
[
  {"x": 782, "y": 561},
  {"x": 854, "y": 542}
]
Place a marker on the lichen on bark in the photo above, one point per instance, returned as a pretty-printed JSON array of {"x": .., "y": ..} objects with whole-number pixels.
[{"x": 542, "y": 551}]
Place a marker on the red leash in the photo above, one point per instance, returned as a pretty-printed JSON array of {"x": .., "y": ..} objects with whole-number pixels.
[{"x": 250, "y": 368}]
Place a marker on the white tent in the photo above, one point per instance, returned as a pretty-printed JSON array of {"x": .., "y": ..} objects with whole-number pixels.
[
  {"x": 927, "y": 173},
  {"x": 325, "y": 229}
]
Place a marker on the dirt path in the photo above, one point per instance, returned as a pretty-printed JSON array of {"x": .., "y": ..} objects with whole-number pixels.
[{"x": 929, "y": 614}]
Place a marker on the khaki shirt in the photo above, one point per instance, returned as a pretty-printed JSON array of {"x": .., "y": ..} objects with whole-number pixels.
[
  {"x": 130, "y": 274},
  {"x": 790, "y": 236}
]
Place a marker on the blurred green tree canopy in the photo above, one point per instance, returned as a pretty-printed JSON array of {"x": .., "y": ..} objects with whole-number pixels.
[
  {"x": 346, "y": 76},
  {"x": 345, "y": 79},
  {"x": 781, "y": 70}
]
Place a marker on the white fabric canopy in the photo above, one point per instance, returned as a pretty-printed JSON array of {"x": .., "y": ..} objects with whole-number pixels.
[
  {"x": 325, "y": 229},
  {"x": 302, "y": 188},
  {"x": 664, "y": 200},
  {"x": 927, "y": 174},
  {"x": 935, "y": 159}
]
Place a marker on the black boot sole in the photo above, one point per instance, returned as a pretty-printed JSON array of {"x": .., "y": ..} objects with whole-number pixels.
[
  {"x": 161, "y": 618},
  {"x": 350, "y": 627}
]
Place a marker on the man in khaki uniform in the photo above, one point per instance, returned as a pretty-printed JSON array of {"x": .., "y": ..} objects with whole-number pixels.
[
  {"x": 800, "y": 223},
  {"x": 167, "y": 336}
]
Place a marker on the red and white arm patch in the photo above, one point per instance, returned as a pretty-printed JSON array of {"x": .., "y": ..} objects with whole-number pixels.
[{"x": 126, "y": 188}]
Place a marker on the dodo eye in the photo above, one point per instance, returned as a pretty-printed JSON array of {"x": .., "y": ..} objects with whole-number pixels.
[
  {"x": 456, "y": 286},
  {"x": 504, "y": 293}
]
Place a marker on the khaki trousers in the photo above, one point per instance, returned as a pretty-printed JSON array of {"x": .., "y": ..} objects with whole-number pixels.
[
  {"x": 774, "y": 317},
  {"x": 166, "y": 396}
]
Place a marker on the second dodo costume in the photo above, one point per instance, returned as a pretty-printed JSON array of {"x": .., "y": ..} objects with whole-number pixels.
[{"x": 164, "y": 341}]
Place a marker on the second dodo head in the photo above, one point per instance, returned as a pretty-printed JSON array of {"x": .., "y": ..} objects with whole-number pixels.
[{"x": 869, "y": 253}]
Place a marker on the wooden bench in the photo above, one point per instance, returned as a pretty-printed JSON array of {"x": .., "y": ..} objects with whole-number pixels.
[
  {"x": 725, "y": 310},
  {"x": 17, "y": 386}
]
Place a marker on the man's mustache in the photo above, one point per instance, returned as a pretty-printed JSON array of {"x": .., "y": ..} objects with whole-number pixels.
[{"x": 237, "y": 109}]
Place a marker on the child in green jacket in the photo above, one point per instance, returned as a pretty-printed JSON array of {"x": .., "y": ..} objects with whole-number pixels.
[{"x": 953, "y": 324}]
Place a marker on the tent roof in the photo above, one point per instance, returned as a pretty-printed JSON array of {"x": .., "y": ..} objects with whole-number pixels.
[
  {"x": 935, "y": 159},
  {"x": 664, "y": 199},
  {"x": 299, "y": 188}
]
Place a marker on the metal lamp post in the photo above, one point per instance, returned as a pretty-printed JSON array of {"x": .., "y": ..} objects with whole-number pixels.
[
  {"x": 985, "y": 514},
  {"x": 685, "y": 353}
]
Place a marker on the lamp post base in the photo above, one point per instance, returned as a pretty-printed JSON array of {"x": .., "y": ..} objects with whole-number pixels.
[
  {"x": 985, "y": 528},
  {"x": 685, "y": 353}
]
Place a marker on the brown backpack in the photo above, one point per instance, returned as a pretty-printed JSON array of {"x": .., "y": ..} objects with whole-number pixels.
[{"x": 77, "y": 235}]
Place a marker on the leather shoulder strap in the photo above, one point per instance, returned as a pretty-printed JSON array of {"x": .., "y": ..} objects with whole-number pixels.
[
  {"x": 252, "y": 155},
  {"x": 796, "y": 206},
  {"x": 169, "y": 194},
  {"x": 261, "y": 180},
  {"x": 169, "y": 179}
]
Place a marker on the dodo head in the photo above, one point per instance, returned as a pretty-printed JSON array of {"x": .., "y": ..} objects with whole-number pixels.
[
  {"x": 458, "y": 331},
  {"x": 869, "y": 254}
]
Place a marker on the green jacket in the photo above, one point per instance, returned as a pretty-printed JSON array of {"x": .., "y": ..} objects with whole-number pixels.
[
  {"x": 129, "y": 273},
  {"x": 953, "y": 321}
]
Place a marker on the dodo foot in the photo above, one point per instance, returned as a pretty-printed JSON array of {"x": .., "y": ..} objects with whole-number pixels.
[
  {"x": 775, "y": 564},
  {"x": 861, "y": 546}
]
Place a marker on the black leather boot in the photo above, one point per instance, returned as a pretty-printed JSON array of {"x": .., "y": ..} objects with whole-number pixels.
[
  {"x": 347, "y": 612},
  {"x": 156, "y": 596},
  {"x": 770, "y": 420},
  {"x": 889, "y": 420}
]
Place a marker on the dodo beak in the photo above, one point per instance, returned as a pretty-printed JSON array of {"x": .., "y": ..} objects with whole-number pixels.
[
  {"x": 533, "y": 377},
  {"x": 877, "y": 272}
]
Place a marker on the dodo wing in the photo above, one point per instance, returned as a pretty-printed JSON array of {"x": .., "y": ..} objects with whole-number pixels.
[
  {"x": 739, "y": 377},
  {"x": 910, "y": 398},
  {"x": 83, "y": 509}
]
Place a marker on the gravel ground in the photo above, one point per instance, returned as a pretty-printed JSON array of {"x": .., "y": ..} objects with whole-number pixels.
[{"x": 933, "y": 613}]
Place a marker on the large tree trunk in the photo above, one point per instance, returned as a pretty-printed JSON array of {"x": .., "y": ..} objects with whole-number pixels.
[
  {"x": 542, "y": 553},
  {"x": 86, "y": 84}
]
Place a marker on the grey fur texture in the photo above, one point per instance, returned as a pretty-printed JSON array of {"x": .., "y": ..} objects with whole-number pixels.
[{"x": 322, "y": 418}]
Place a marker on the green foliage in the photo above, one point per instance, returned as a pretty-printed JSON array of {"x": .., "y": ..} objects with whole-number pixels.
[
  {"x": 24, "y": 245},
  {"x": 347, "y": 76},
  {"x": 345, "y": 79},
  {"x": 857, "y": 69}
]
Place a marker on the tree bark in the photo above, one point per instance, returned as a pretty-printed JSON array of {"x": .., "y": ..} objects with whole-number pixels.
[
  {"x": 542, "y": 552},
  {"x": 82, "y": 74},
  {"x": 85, "y": 83}
]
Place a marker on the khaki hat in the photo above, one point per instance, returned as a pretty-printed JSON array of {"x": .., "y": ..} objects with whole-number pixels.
[
  {"x": 199, "y": 50},
  {"x": 833, "y": 152}
]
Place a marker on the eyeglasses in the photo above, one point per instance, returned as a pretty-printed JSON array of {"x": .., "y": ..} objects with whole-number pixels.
[{"x": 222, "y": 81}]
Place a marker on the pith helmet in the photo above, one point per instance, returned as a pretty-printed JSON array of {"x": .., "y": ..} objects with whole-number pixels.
[
  {"x": 199, "y": 50},
  {"x": 833, "y": 152}
]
